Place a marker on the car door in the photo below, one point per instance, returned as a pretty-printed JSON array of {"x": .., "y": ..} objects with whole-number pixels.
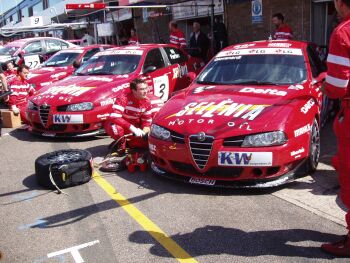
[
  {"x": 178, "y": 67},
  {"x": 32, "y": 53},
  {"x": 160, "y": 77},
  {"x": 317, "y": 70}
]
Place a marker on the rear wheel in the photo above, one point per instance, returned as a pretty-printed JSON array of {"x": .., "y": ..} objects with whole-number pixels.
[{"x": 314, "y": 148}]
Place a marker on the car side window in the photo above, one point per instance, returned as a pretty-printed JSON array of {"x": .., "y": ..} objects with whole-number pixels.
[
  {"x": 64, "y": 45},
  {"x": 89, "y": 54},
  {"x": 34, "y": 47},
  {"x": 53, "y": 45},
  {"x": 317, "y": 66},
  {"x": 154, "y": 58},
  {"x": 175, "y": 56}
]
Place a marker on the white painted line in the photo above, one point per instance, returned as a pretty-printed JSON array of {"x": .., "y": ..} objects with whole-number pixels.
[{"x": 74, "y": 251}]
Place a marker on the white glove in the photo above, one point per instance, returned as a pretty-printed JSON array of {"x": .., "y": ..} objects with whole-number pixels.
[
  {"x": 137, "y": 131},
  {"x": 15, "y": 110}
]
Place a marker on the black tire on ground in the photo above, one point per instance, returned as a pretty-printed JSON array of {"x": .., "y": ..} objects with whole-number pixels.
[
  {"x": 314, "y": 148},
  {"x": 68, "y": 168}
]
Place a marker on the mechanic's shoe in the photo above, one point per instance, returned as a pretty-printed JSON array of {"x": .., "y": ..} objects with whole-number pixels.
[
  {"x": 113, "y": 162},
  {"x": 339, "y": 249}
]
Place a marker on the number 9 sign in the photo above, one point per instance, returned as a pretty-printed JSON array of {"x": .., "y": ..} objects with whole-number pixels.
[{"x": 36, "y": 21}]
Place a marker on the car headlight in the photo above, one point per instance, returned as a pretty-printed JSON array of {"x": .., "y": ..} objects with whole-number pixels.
[
  {"x": 80, "y": 106},
  {"x": 160, "y": 133},
  {"x": 265, "y": 139},
  {"x": 31, "y": 105}
]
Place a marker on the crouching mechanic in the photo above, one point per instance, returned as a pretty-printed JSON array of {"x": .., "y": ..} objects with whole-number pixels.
[
  {"x": 21, "y": 90},
  {"x": 132, "y": 114}
]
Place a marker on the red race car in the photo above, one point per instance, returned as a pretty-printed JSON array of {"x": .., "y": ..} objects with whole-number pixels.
[
  {"x": 251, "y": 118},
  {"x": 79, "y": 104},
  {"x": 61, "y": 65}
]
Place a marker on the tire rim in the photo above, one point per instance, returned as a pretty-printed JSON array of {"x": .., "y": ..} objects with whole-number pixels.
[
  {"x": 65, "y": 157},
  {"x": 315, "y": 145}
]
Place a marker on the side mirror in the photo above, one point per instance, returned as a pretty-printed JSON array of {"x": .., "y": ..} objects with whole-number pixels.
[
  {"x": 191, "y": 76},
  {"x": 149, "y": 69},
  {"x": 76, "y": 64}
]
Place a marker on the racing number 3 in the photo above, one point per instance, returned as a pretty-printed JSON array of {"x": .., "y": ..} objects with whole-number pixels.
[{"x": 161, "y": 87}]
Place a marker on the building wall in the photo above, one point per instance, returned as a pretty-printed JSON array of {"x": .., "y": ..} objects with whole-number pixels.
[
  {"x": 239, "y": 19},
  {"x": 155, "y": 30}
]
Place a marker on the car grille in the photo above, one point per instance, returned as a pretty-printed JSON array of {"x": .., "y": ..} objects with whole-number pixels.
[
  {"x": 234, "y": 141},
  {"x": 54, "y": 127},
  {"x": 44, "y": 111},
  {"x": 177, "y": 137},
  {"x": 218, "y": 172},
  {"x": 200, "y": 150}
]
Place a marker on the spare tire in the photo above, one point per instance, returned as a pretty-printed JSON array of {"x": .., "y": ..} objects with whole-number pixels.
[{"x": 68, "y": 168}]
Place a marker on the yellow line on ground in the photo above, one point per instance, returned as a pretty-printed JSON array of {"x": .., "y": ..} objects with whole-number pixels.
[{"x": 169, "y": 244}]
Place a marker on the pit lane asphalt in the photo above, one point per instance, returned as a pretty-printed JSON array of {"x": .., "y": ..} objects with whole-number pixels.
[{"x": 212, "y": 225}]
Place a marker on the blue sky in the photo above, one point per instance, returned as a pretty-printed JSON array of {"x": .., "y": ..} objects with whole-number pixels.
[{"x": 7, "y": 4}]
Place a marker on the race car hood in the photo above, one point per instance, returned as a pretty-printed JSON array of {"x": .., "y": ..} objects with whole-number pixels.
[
  {"x": 77, "y": 89},
  {"x": 48, "y": 74},
  {"x": 225, "y": 111}
]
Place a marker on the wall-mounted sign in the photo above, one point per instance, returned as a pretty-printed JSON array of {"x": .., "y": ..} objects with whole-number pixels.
[{"x": 257, "y": 11}]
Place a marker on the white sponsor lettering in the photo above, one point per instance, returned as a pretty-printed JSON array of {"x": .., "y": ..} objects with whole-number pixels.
[
  {"x": 202, "y": 181},
  {"x": 46, "y": 83},
  {"x": 100, "y": 79},
  {"x": 302, "y": 130},
  {"x": 102, "y": 116},
  {"x": 67, "y": 119},
  {"x": 301, "y": 150},
  {"x": 279, "y": 45},
  {"x": 245, "y": 158},
  {"x": 305, "y": 109},
  {"x": 121, "y": 87},
  {"x": 244, "y": 46},
  {"x": 120, "y": 52},
  {"x": 68, "y": 90},
  {"x": 201, "y": 89},
  {"x": 192, "y": 121},
  {"x": 228, "y": 58},
  {"x": 54, "y": 76},
  {"x": 109, "y": 101},
  {"x": 296, "y": 87},
  {"x": 226, "y": 108},
  {"x": 264, "y": 91},
  {"x": 261, "y": 51}
]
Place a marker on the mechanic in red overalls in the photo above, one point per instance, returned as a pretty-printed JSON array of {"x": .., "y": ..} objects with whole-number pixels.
[
  {"x": 10, "y": 71},
  {"x": 177, "y": 37},
  {"x": 133, "y": 40},
  {"x": 21, "y": 90},
  {"x": 338, "y": 87},
  {"x": 133, "y": 113},
  {"x": 283, "y": 31}
]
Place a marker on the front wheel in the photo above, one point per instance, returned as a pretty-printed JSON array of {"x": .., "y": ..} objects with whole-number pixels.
[{"x": 314, "y": 148}]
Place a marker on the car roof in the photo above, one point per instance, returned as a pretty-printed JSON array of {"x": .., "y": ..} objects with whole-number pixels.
[
  {"x": 89, "y": 47},
  {"x": 22, "y": 41},
  {"x": 143, "y": 47},
  {"x": 269, "y": 44}
]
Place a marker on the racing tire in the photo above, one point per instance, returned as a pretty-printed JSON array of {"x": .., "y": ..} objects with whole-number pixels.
[
  {"x": 68, "y": 168},
  {"x": 314, "y": 148}
]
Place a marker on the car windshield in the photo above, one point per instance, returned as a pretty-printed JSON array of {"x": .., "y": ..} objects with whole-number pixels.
[
  {"x": 9, "y": 50},
  {"x": 109, "y": 65},
  {"x": 255, "y": 70},
  {"x": 61, "y": 60}
]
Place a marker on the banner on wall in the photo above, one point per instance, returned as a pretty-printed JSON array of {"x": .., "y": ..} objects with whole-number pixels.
[{"x": 257, "y": 11}]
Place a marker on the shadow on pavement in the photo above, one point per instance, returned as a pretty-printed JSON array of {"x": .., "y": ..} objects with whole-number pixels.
[{"x": 216, "y": 240}]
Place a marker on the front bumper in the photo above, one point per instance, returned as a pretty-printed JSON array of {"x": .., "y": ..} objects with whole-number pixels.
[
  {"x": 88, "y": 126},
  {"x": 176, "y": 161}
]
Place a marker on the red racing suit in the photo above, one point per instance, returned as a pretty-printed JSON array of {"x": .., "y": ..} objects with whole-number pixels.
[
  {"x": 129, "y": 111},
  {"x": 21, "y": 90},
  {"x": 283, "y": 32},
  {"x": 134, "y": 41},
  {"x": 338, "y": 87},
  {"x": 178, "y": 38}
]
